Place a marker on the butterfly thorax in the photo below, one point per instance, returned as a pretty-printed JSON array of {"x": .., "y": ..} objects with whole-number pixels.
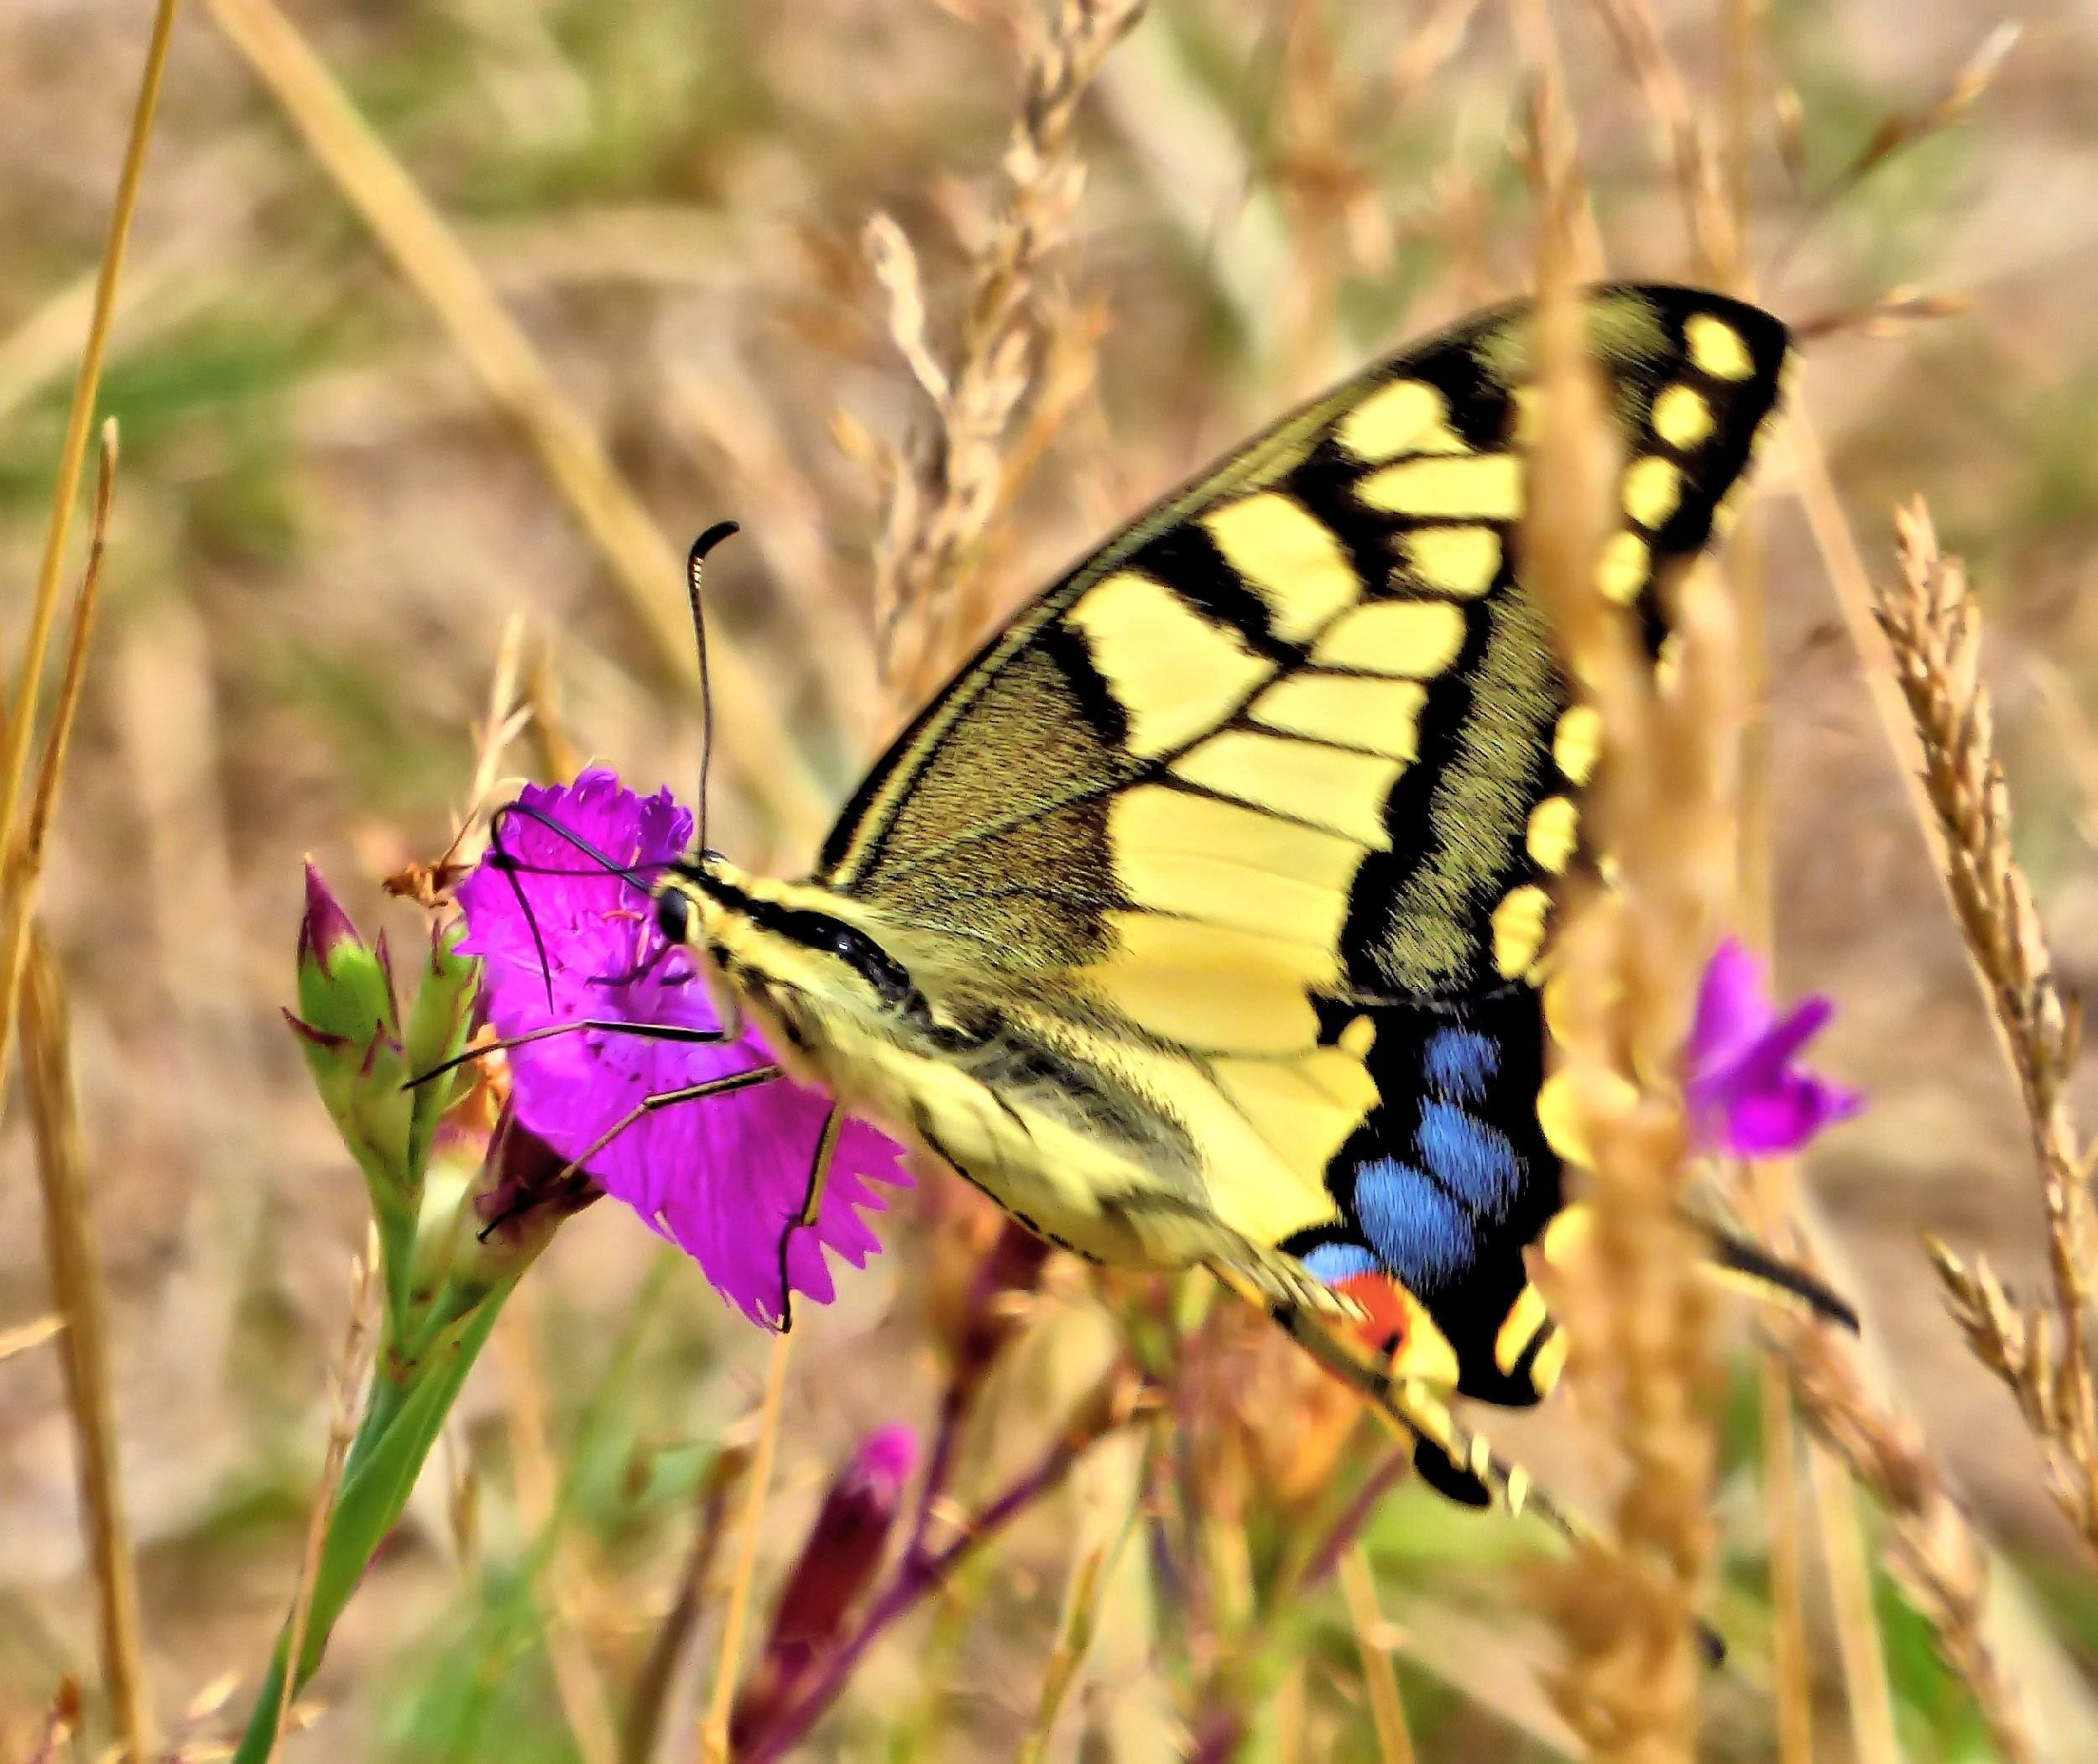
[{"x": 1025, "y": 1090}]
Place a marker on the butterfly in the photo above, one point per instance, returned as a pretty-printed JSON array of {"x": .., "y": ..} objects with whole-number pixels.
[{"x": 1200, "y": 919}]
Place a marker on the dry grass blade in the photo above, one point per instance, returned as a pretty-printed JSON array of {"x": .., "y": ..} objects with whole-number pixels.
[
  {"x": 1359, "y": 1587},
  {"x": 941, "y": 509},
  {"x": 352, "y": 1370},
  {"x": 17, "y": 879},
  {"x": 1929, "y": 1546},
  {"x": 25, "y": 857},
  {"x": 1932, "y": 624},
  {"x": 1893, "y": 313},
  {"x": 1903, "y": 130},
  {"x": 756, "y": 744},
  {"x": 713, "y": 1735},
  {"x": 1932, "y": 1546},
  {"x": 655, "y": 1686},
  {"x": 577, "y": 1683},
  {"x": 76, "y": 1284},
  {"x": 24, "y": 1336},
  {"x": 1074, "y": 1634},
  {"x": 21, "y": 711}
]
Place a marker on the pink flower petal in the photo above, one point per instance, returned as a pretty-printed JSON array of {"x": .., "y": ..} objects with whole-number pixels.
[{"x": 723, "y": 1176}]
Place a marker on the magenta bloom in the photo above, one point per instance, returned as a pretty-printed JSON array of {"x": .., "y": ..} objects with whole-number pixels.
[
  {"x": 723, "y": 1177},
  {"x": 1745, "y": 1094}
]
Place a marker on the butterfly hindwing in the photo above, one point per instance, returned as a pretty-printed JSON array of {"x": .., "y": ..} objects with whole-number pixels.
[{"x": 1257, "y": 817}]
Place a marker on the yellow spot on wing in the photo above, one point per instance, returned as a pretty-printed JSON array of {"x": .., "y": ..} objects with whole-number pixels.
[
  {"x": 1544, "y": 1373},
  {"x": 1403, "y": 417},
  {"x": 1349, "y": 710},
  {"x": 1208, "y": 986},
  {"x": 1653, "y": 486},
  {"x": 1410, "y": 639},
  {"x": 1472, "y": 487},
  {"x": 1326, "y": 786},
  {"x": 1288, "y": 558},
  {"x": 1175, "y": 671},
  {"x": 1459, "y": 561},
  {"x": 1577, "y": 742},
  {"x": 1681, "y": 416},
  {"x": 1359, "y": 1036},
  {"x": 1200, "y": 859},
  {"x": 1620, "y": 572},
  {"x": 1717, "y": 347},
  {"x": 1525, "y": 1317},
  {"x": 1518, "y": 928},
  {"x": 1554, "y": 827}
]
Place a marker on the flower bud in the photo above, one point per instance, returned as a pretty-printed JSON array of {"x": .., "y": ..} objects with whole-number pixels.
[
  {"x": 437, "y": 1024},
  {"x": 837, "y": 1565},
  {"x": 343, "y": 987},
  {"x": 349, "y": 1029}
]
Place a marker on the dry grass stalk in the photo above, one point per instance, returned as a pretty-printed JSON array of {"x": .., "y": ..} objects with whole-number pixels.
[
  {"x": 940, "y": 506},
  {"x": 756, "y": 746},
  {"x": 76, "y": 1288},
  {"x": 713, "y": 1733},
  {"x": 22, "y": 1336},
  {"x": 1932, "y": 624},
  {"x": 1893, "y": 313},
  {"x": 1686, "y": 143},
  {"x": 1867, "y": 1695},
  {"x": 1932, "y": 1548},
  {"x": 18, "y": 878},
  {"x": 585, "y": 1701},
  {"x": 1074, "y": 1634},
  {"x": 1623, "y": 966},
  {"x": 21, "y": 713},
  {"x": 24, "y": 859},
  {"x": 352, "y": 1372},
  {"x": 1929, "y": 1546},
  {"x": 1359, "y": 1587}
]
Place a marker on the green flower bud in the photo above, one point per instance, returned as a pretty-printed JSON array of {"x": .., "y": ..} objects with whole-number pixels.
[
  {"x": 349, "y": 1028},
  {"x": 344, "y": 989},
  {"x": 437, "y": 1024}
]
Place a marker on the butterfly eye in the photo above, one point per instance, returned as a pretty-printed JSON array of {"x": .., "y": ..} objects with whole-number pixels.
[{"x": 674, "y": 914}]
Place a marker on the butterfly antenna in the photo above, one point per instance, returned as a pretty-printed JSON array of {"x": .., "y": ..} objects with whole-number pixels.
[
  {"x": 694, "y": 563},
  {"x": 506, "y": 861}
]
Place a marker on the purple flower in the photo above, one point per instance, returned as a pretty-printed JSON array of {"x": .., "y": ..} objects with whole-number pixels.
[
  {"x": 1744, "y": 1092},
  {"x": 723, "y": 1177}
]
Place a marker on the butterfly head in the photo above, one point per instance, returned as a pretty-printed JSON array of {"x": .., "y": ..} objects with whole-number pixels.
[{"x": 798, "y": 948}]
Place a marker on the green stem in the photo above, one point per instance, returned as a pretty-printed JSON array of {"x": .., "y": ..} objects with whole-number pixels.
[{"x": 400, "y": 1426}]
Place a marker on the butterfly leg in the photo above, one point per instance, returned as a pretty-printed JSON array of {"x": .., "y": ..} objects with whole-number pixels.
[
  {"x": 811, "y": 1206},
  {"x": 648, "y": 1105},
  {"x": 1745, "y": 1263},
  {"x": 609, "y": 1026}
]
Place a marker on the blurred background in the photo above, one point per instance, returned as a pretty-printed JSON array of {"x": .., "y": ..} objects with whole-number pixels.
[{"x": 325, "y": 524}]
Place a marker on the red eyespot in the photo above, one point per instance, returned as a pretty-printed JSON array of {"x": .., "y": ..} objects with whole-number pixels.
[{"x": 1383, "y": 1322}]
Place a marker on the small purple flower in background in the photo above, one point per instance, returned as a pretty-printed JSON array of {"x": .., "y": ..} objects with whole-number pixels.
[
  {"x": 723, "y": 1177},
  {"x": 1744, "y": 1092}
]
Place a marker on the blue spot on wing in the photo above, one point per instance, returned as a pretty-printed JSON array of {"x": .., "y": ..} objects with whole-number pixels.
[
  {"x": 1330, "y": 1264},
  {"x": 1474, "y": 1160},
  {"x": 1418, "y": 1231},
  {"x": 1460, "y": 1062}
]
